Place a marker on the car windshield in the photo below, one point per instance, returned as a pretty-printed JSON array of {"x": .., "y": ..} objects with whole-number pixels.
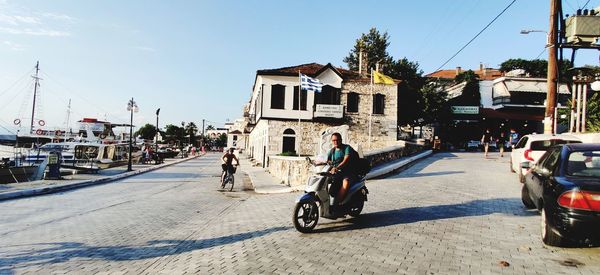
[
  {"x": 584, "y": 164},
  {"x": 543, "y": 145}
]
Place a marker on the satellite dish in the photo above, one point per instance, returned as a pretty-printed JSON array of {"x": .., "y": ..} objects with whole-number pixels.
[{"x": 596, "y": 85}]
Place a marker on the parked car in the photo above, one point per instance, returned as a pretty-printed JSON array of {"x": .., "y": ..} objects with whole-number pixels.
[
  {"x": 531, "y": 147},
  {"x": 472, "y": 145},
  {"x": 565, "y": 187}
]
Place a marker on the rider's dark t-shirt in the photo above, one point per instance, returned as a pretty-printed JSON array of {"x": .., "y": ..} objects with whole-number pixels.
[{"x": 228, "y": 158}]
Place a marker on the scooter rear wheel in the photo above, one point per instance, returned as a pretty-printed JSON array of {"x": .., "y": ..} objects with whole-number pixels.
[
  {"x": 306, "y": 216},
  {"x": 357, "y": 206}
]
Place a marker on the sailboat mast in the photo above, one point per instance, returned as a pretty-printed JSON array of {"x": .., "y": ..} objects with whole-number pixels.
[
  {"x": 68, "y": 115},
  {"x": 35, "y": 86}
]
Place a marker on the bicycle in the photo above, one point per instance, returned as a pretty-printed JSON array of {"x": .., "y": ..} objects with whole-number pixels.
[{"x": 229, "y": 178}]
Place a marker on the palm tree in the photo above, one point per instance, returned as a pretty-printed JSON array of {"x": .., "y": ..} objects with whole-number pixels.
[{"x": 191, "y": 129}]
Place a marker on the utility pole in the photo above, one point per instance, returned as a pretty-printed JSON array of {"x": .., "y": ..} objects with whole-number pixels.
[
  {"x": 552, "y": 76},
  {"x": 202, "y": 132}
]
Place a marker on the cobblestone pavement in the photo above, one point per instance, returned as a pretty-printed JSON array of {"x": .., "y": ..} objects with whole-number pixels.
[{"x": 453, "y": 213}]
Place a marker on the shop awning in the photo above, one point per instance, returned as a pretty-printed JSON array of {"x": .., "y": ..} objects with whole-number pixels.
[{"x": 491, "y": 113}]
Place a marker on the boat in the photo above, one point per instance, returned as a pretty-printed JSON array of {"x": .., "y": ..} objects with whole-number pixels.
[{"x": 10, "y": 172}]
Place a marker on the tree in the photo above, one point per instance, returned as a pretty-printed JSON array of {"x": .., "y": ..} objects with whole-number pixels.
[
  {"x": 174, "y": 133},
  {"x": 592, "y": 118},
  {"x": 210, "y": 127},
  {"x": 191, "y": 129},
  {"x": 221, "y": 140},
  {"x": 470, "y": 94},
  {"x": 435, "y": 107},
  {"x": 535, "y": 67},
  {"x": 147, "y": 131},
  {"x": 409, "y": 97},
  {"x": 374, "y": 46}
]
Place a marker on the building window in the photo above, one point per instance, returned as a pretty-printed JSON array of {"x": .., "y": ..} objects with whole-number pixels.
[
  {"x": 289, "y": 141},
  {"x": 329, "y": 95},
  {"x": 378, "y": 104},
  {"x": 352, "y": 103},
  {"x": 298, "y": 96},
  {"x": 234, "y": 137},
  {"x": 277, "y": 96}
]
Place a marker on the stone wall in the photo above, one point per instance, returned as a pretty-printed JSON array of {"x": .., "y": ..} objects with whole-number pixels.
[
  {"x": 294, "y": 171},
  {"x": 384, "y": 155},
  {"x": 383, "y": 126}
]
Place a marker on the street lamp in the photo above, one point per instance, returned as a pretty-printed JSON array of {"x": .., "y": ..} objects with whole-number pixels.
[
  {"x": 530, "y": 31},
  {"x": 131, "y": 107},
  {"x": 182, "y": 136},
  {"x": 157, "y": 131}
]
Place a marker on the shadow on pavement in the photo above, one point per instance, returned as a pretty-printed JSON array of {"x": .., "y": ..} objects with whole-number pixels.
[
  {"x": 508, "y": 206},
  {"x": 412, "y": 174},
  {"x": 64, "y": 251}
]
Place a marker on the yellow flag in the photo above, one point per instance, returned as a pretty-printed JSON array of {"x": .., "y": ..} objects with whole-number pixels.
[{"x": 379, "y": 78}]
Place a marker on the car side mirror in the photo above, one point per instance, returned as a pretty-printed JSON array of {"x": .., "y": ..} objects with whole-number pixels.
[{"x": 525, "y": 165}]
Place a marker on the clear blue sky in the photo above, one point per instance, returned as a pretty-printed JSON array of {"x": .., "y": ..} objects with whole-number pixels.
[{"x": 197, "y": 59}]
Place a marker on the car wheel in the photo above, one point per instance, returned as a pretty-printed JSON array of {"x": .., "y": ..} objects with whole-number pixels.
[
  {"x": 526, "y": 199},
  {"x": 549, "y": 237},
  {"x": 511, "y": 166}
]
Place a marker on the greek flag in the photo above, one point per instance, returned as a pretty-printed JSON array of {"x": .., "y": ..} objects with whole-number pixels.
[{"x": 310, "y": 84}]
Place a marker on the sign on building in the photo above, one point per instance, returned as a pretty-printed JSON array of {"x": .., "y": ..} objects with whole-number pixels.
[
  {"x": 465, "y": 110},
  {"x": 325, "y": 110}
]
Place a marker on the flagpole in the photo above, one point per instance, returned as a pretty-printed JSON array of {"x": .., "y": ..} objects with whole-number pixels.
[
  {"x": 371, "y": 114},
  {"x": 299, "y": 109},
  {"x": 299, "y": 97}
]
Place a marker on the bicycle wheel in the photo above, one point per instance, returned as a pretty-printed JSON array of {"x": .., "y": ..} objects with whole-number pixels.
[
  {"x": 231, "y": 181},
  {"x": 223, "y": 181}
]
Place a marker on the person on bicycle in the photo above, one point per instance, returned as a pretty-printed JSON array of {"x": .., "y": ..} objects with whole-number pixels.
[{"x": 227, "y": 165}]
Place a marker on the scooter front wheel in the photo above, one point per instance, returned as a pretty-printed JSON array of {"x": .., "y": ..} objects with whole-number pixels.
[{"x": 306, "y": 216}]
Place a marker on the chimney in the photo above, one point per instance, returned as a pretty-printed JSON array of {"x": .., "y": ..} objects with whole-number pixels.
[
  {"x": 360, "y": 59},
  {"x": 481, "y": 67},
  {"x": 363, "y": 69},
  {"x": 458, "y": 70}
]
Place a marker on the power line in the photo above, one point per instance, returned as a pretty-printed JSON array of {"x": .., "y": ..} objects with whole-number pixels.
[
  {"x": 584, "y": 5},
  {"x": 477, "y": 35}
]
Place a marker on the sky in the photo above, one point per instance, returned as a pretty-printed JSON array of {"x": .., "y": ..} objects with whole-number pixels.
[{"x": 198, "y": 59}]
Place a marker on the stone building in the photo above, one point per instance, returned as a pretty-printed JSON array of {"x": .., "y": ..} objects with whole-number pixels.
[{"x": 285, "y": 120}]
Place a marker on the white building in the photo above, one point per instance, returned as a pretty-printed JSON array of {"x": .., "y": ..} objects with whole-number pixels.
[{"x": 285, "y": 120}]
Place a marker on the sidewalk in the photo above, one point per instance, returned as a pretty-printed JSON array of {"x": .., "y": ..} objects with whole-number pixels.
[
  {"x": 265, "y": 183},
  {"x": 262, "y": 181},
  {"x": 41, "y": 187}
]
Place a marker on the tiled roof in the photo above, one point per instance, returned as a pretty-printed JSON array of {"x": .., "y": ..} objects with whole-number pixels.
[
  {"x": 485, "y": 74},
  {"x": 310, "y": 69}
]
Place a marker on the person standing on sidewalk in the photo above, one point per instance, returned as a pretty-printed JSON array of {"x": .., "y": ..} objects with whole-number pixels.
[{"x": 485, "y": 140}]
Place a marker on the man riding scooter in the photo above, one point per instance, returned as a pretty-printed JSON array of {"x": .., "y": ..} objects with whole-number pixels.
[{"x": 341, "y": 158}]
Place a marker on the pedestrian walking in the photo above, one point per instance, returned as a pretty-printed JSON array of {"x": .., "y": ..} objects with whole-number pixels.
[
  {"x": 485, "y": 140},
  {"x": 501, "y": 143},
  {"x": 513, "y": 138}
]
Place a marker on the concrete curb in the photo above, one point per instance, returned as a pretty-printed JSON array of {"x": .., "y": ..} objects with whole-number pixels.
[
  {"x": 378, "y": 171},
  {"x": 84, "y": 183},
  {"x": 393, "y": 166}
]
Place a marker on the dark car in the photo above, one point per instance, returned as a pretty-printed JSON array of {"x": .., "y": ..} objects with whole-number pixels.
[{"x": 564, "y": 185}]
